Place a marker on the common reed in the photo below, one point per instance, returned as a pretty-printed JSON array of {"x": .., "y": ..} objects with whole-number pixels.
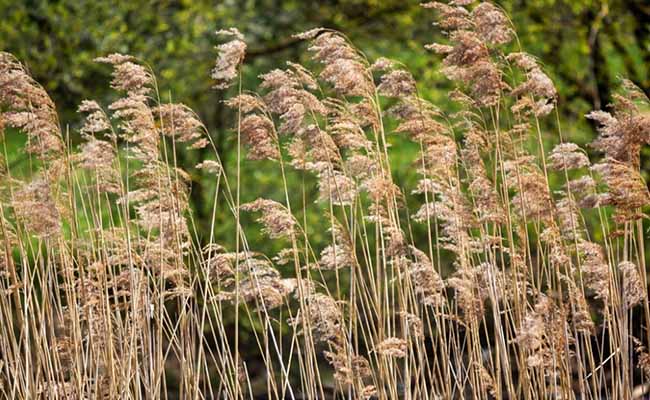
[{"x": 496, "y": 285}]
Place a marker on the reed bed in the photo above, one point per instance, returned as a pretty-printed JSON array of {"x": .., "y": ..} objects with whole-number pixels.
[{"x": 506, "y": 271}]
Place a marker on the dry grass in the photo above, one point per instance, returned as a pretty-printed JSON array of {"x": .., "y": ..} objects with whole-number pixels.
[{"x": 107, "y": 293}]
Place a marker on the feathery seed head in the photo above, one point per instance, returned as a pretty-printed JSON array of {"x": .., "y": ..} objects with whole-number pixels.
[
  {"x": 230, "y": 56},
  {"x": 277, "y": 220}
]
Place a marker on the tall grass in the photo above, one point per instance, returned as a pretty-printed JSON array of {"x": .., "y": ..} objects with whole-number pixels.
[{"x": 498, "y": 284}]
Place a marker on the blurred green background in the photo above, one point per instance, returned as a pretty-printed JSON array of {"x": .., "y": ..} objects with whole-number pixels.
[{"x": 585, "y": 45}]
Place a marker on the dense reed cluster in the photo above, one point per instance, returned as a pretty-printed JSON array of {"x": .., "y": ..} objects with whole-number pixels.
[{"x": 498, "y": 284}]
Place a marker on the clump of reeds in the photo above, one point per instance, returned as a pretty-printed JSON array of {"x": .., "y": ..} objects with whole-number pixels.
[{"x": 494, "y": 287}]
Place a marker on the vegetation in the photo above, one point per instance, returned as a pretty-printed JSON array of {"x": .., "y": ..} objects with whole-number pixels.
[{"x": 354, "y": 238}]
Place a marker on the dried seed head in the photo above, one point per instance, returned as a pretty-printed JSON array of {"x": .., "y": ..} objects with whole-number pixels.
[
  {"x": 421, "y": 126},
  {"x": 392, "y": 347},
  {"x": 537, "y": 84},
  {"x": 96, "y": 154},
  {"x": 470, "y": 293},
  {"x": 320, "y": 148},
  {"x": 468, "y": 49},
  {"x": 368, "y": 392},
  {"x": 340, "y": 254},
  {"x": 425, "y": 279},
  {"x": 439, "y": 159},
  {"x": 269, "y": 290},
  {"x": 488, "y": 381},
  {"x": 246, "y": 103},
  {"x": 99, "y": 157},
  {"x": 229, "y": 58},
  {"x": 286, "y": 256},
  {"x": 138, "y": 126},
  {"x": 451, "y": 210},
  {"x": 486, "y": 203},
  {"x": 276, "y": 218},
  {"x": 543, "y": 333},
  {"x": 557, "y": 254},
  {"x": 278, "y": 78},
  {"x": 128, "y": 75},
  {"x": 569, "y": 218},
  {"x": 626, "y": 129},
  {"x": 96, "y": 120},
  {"x": 330, "y": 46},
  {"x": 581, "y": 186},
  {"x": 26, "y": 106},
  {"x": 259, "y": 282},
  {"x": 567, "y": 156},
  {"x": 397, "y": 83},
  {"x": 303, "y": 75},
  {"x": 633, "y": 290},
  {"x": 258, "y": 133},
  {"x": 627, "y": 189},
  {"x": 336, "y": 187},
  {"x": 179, "y": 122},
  {"x": 35, "y": 207},
  {"x": 347, "y": 132},
  {"x": 532, "y": 198},
  {"x": 380, "y": 188},
  {"x": 220, "y": 265},
  {"x": 289, "y": 99},
  {"x": 537, "y": 94},
  {"x": 361, "y": 166},
  {"x": 595, "y": 270},
  {"x": 310, "y": 34},
  {"x": 524, "y": 61},
  {"x": 344, "y": 68},
  {"x": 491, "y": 24},
  {"x": 323, "y": 316},
  {"x": 580, "y": 314},
  {"x": 451, "y": 17},
  {"x": 210, "y": 166},
  {"x": 349, "y": 77},
  {"x": 348, "y": 367},
  {"x": 413, "y": 324},
  {"x": 383, "y": 64}
]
